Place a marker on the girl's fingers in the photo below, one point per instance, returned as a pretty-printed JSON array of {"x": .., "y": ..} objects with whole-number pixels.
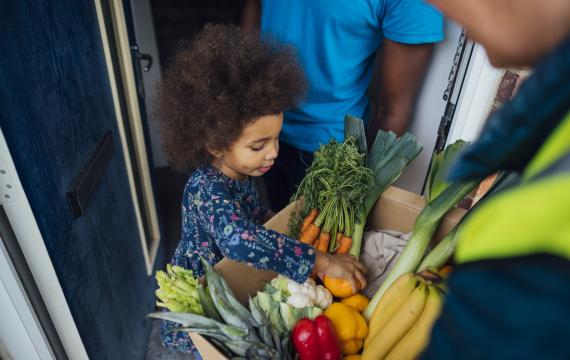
[
  {"x": 352, "y": 283},
  {"x": 356, "y": 263},
  {"x": 361, "y": 279},
  {"x": 360, "y": 267}
]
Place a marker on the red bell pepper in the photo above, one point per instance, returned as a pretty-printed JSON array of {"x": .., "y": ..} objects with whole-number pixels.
[{"x": 316, "y": 339}]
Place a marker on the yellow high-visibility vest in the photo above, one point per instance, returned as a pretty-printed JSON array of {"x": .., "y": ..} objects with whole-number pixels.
[{"x": 530, "y": 218}]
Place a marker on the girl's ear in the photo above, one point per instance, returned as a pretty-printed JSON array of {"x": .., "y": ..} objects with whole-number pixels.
[{"x": 215, "y": 153}]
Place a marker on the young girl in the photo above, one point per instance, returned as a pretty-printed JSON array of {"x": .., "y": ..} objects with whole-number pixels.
[{"x": 221, "y": 107}]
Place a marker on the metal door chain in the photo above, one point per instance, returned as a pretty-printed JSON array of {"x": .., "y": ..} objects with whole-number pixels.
[
  {"x": 142, "y": 57},
  {"x": 455, "y": 65}
]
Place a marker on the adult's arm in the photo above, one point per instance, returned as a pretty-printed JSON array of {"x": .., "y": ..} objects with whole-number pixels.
[
  {"x": 510, "y": 308},
  {"x": 399, "y": 73},
  {"x": 251, "y": 15}
]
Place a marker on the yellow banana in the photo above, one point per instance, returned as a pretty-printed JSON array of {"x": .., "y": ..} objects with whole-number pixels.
[
  {"x": 415, "y": 341},
  {"x": 397, "y": 326},
  {"x": 394, "y": 297}
]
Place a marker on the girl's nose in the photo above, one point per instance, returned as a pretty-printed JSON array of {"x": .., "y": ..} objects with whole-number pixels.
[{"x": 272, "y": 154}]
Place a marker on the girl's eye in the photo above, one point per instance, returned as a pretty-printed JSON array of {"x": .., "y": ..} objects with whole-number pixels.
[{"x": 257, "y": 148}]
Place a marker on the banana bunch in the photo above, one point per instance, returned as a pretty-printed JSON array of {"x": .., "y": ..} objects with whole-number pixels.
[{"x": 401, "y": 324}]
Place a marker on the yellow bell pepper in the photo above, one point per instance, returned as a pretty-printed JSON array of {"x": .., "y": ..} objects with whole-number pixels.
[
  {"x": 361, "y": 326},
  {"x": 350, "y": 326},
  {"x": 338, "y": 287},
  {"x": 357, "y": 301},
  {"x": 351, "y": 347},
  {"x": 343, "y": 320},
  {"x": 351, "y": 357}
]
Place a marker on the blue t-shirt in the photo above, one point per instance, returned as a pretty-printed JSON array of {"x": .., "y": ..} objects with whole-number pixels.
[{"x": 336, "y": 41}]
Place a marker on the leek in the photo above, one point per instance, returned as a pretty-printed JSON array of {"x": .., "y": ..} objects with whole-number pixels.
[
  {"x": 387, "y": 159},
  {"x": 435, "y": 185},
  {"x": 424, "y": 228},
  {"x": 354, "y": 127},
  {"x": 448, "y": 195},
  {"x": 443, "y": 251},
  {"x": 439, "y": 168}
]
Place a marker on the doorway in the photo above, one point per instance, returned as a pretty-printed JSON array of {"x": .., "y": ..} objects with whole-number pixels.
[
  {"x": 155, "y": 27},
  {"x": 96, "y": 257},
  {"x": 159, "y": 25}
]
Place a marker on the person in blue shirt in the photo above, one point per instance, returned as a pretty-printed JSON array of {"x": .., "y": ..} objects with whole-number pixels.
[
  {"x": 337, "y": 42},
  {"x": 220, "y": 108}
]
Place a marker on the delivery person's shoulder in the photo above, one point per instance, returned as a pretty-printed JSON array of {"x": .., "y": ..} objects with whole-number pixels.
[{"x": 530, "y": 218}]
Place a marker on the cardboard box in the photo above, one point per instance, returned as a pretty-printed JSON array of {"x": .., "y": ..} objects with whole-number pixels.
[{"x": 396, "y": 209}]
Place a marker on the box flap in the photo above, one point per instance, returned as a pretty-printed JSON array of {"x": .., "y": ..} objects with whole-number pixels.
[
  {"x": 206, "y": 349},
  {"x": 281, "y": 219},
  {"x": 397, "y": 209},
  {"x": 243, "y": 279}
]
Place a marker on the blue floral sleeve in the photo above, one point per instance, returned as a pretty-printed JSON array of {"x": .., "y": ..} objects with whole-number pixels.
[
  {"x": 261, "y": 212},
  {"x": 241, "y": 239},
  {"x": 223, "y": 217}
]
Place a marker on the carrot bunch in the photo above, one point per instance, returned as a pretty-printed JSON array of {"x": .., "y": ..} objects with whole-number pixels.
[
  {"x": 333, "y": 191},
  {"x": 320, "y": 238}
]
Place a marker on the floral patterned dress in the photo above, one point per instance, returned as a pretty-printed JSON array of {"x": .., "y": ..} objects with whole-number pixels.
[{"x": 223, "y": 217}]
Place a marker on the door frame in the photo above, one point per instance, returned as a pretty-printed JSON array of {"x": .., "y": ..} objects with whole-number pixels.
[
  {"x": 111, "y": 19},
  {"x": 476, "y": 100},
  {"x": 20, "y": 329},
  {"x": 26, "y": 230}
]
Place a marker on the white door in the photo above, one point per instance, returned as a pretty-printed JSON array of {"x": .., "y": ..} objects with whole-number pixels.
[{"x": 459, "y": 75}]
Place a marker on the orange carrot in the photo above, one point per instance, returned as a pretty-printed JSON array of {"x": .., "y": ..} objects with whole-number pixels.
[
  {"x": 323, "y": 242},
  {"x": 316, "y": 244},
  {"x": 344, "y": 245},
  {"x": 336, "y": 243},
  {"x": 309, "y": 219},
  {"x": 310, "y": 234},
  {"x": 485, "y": 186}
]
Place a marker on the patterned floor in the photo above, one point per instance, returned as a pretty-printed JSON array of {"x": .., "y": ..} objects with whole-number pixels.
[{"x": 156, "y": 351}]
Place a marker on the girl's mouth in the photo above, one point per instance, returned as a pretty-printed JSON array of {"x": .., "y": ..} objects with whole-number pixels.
[{"x": 264, "y": 169}]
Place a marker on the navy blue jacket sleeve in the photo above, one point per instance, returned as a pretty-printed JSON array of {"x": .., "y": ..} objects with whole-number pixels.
[{"x": 517, "y": 308}]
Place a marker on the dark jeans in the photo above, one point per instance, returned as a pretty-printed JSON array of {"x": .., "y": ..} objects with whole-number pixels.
[{"x": 285, "y": 175}]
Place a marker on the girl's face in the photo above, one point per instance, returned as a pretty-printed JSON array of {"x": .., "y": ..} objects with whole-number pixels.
[{"x": 254, "y": 152}]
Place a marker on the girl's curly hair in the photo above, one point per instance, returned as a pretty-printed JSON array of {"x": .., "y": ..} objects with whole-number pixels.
[{"x": 218, "y": 83}]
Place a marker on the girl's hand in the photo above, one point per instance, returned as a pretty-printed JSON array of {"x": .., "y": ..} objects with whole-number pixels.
[{"x": 341, "y": 267}]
